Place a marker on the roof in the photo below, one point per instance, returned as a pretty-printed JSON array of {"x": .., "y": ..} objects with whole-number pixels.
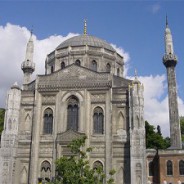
[{"x": 82, "y": 40}]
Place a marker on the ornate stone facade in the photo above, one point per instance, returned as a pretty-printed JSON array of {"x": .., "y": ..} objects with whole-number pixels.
[{"x": 83, "y": 92}]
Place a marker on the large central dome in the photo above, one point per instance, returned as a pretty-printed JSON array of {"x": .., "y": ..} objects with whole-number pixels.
[{"x": 82, "y": 40}]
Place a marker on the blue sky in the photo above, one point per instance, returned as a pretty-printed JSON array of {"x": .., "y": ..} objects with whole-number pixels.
[{"x": 135, "y": 26}]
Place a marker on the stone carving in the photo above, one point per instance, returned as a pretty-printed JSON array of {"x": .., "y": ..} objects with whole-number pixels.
[
  {"x": 48, "y": 99},
  {"x": 73, "y": 77},
  {"x": 68, "y": 136},
  {"x": 97, "y": 97}
]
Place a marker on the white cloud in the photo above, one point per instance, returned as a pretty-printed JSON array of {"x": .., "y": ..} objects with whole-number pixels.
[
  {"x": 156, "y": 102},
  {"x": 155, "y": 8},
  {"x": 125, "y": 55},
  {"x": 13, "y": 40}
]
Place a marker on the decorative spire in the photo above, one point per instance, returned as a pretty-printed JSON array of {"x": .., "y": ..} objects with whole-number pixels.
[
  {"x": 85, "y": 27},
  {"x": 31, "y": 31},
  {"x": 169, "y": 49},
  {"x": 166, "y": 21},
  {"x": 135, "y": 73}
]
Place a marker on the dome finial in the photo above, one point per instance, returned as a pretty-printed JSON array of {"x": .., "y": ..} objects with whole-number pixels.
[
  {"x": 31, "y": 31},
  {"x": 135, "y": 73},
  {"x": 166, "y": 21},
  {"x": 85, "y": 27}
]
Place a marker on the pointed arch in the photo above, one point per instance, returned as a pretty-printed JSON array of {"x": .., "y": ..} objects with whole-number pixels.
[
  {"x": 118, "y": 72},
  {"x": 169, "y": 168},
  {"x": 62, "y": 65},
  {"x": 94, "y": 65},
  {"x": 139, "y": 181},
  {"x": 45, "y": 171},
  {"x": 28, "y": 121},
  {"x": 23, "y": 178},
  {"x": 48, "y": 121},
  {"x": 28, "y": 117},
  {"x": 120, "y": 175},
  {"x": 181, "y": 167},
  {"x": 98, "y": 121},
  {"x": 108, "y": 67},
  {"x": 151, "y": 168},
  {"x": 137, "y": 121},
  {"x": 52, "y": 69},
  {"x": 9, "y": 124},
  {"x": 77, "y": 62},
  {"x": 97, "y": 164},
  {"x": 121, "y": 121},
  {"x": 73, "y": 113}
]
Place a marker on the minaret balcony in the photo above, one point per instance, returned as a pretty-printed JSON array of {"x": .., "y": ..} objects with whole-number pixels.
[
  {"x": 28, "y": 65},
  {"x": 170, "y": 60}
]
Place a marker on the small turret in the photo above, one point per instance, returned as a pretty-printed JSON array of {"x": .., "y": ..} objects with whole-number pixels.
[
  {"x": 137, "y": 131},
  {"x": 28, "y": 66},
  {"x": 12, "y": 110}
]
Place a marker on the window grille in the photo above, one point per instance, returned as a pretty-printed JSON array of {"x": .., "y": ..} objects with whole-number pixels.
[
  {"x": 77, "y": 62},
  {"x": 73, "y": 113},
  {"x": 108, "y": 67},
  {"x": 181, "y": 167},
  {"x": 94, "y": 65},
  {"x": 169, "y": 168},
  {"x": 48, "y": 121},
  {"x": 98, "y": 121},
  {"x": 62, "y": 65}
]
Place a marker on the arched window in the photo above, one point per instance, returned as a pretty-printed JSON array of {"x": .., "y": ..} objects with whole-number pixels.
[
  {"x": 45, "y": 171},
  {"x": 97, "y": 165},
  {"x": 23, "y": 178},
  {"x": 48, "y": 121},
  {"x": 181, "y": 167},
  {"x": 98, "y": 121},
  {"x": 169, "y": 168},
  {"x": 9, "y": 124},
  {"x": 73, "y": 113},
  {"x": 94, "y": 65},
  {"x": 77, "y": 62},
  {"x": 151, "y": 169},
  {"x": 52, "y": 69},
  {"x": 62, "y": 65},
  {"x": 108, "y": 67},
  {"x": 118, "y": 72}
]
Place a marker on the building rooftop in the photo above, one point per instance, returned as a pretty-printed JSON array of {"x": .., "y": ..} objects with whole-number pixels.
[{"x": 83, "y": 40}]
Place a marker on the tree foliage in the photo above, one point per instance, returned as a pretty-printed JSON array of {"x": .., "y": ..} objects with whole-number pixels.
[
  {"x": 2, "y": 113},
  {"x": 155, "y": 139},
  {"x": 182, "y": 127},
  {"x": 76, "y": 168}
]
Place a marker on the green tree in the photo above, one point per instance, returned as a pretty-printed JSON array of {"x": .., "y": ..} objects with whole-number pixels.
[
  {"x": 2, "y": 113},
  {"x": 155, "y": 139},
  {"x": 76, "y": 168},
  {"x": 182, "y": 127}
]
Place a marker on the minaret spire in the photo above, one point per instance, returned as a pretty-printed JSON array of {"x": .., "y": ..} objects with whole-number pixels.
[
  {"x": 170, "y": 61},
  {"x": 28, "y": 66},
  {"x": 169, "y": 49}
]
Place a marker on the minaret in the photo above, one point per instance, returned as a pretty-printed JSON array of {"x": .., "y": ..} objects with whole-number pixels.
[
  {"x": 28, "y": 66},
  {"x": 170, "y": 61}
]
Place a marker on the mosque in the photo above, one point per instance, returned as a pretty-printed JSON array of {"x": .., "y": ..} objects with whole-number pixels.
[{"x": 84, "y": 92}]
